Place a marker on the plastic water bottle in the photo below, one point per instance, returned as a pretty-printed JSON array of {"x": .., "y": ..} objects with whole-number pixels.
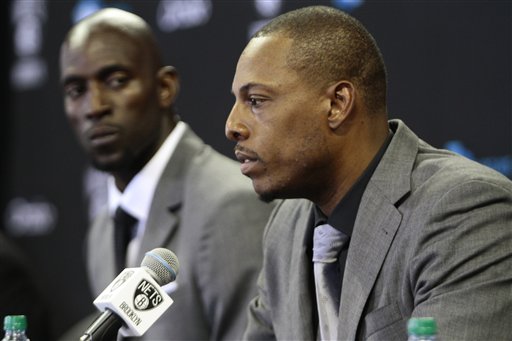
[
  {"x": 15, "y": 327},
  {"x": 422, "y": 329}
]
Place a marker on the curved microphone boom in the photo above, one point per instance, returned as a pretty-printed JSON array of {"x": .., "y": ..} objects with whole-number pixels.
[{"x": 133, "y": 301}]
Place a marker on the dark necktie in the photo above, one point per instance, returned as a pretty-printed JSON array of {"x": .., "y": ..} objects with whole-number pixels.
[
  {"x": 327, "y": 244},
  {"x": 124, "y": 225}
]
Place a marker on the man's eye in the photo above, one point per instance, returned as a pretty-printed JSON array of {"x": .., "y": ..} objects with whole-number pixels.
[
  {"x": 73, "y": 91},
  {"x": 255, "y": 101},
  {"x": 117, "y": 81}
]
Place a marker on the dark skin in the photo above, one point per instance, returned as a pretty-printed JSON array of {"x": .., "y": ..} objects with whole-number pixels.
[
  {"x": 117, "y": 97},
  {"x": 296, "y": 139}
]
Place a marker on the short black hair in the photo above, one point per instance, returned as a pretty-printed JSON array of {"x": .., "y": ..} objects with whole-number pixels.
[{"x": 329, "y": 45}]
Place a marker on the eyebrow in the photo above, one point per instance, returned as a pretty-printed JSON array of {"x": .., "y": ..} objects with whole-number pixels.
[
  {"x": 244, "y": 88},
  {"x": 248, "y": 86},
  {"x": 70, "y": 79},
  {"x": 101, "y": 74}
]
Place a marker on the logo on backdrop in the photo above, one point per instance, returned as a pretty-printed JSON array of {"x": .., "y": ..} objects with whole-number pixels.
[
  {"x": 30, "y": 216},
  {"x": 347, "y": 5},
  {"x": 84, "y": 8},
  {"x": 146, "y": 296},
  {"x": 502, "y": 164},
  {"x": 183, "y": 14},
  {"x": 266, "y": 10},
  {"x": 29, "y": 69}
]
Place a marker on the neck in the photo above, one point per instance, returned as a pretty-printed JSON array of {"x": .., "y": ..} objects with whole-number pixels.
[
  {"x": 356, "y": 153},
  {"x": 124, "y": 176}
]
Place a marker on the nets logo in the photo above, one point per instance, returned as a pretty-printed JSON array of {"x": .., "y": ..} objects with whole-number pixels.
[{"x": 146, "y": 296}]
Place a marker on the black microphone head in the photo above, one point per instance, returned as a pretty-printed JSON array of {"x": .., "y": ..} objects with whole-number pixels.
[{"x": 162, "y": 264}]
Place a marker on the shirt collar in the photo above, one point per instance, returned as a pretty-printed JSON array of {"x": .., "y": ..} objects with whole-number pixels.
[
  {"x": 138, "y": 195},
  {"x": 344, "y": 214}
]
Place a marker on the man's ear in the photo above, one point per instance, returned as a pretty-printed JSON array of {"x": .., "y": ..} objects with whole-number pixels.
[
  {"x": 342, "y": 96},
  {"x": 169, "y": 85}
]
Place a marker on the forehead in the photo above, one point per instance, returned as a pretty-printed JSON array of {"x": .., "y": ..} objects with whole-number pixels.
[
  {"x": 88, "y": 51},
  {"x": 264, "y": 61}
]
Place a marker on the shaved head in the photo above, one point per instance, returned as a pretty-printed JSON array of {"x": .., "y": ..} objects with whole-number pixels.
[{"x": 122, "y": 22}]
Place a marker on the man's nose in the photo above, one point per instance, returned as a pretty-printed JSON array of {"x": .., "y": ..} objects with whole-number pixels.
[
  {"x": 235, "y": 130},
  {"x": 96, "y": 104}
]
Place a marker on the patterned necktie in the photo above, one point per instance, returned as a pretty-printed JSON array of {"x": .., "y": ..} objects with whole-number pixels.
[
  {"x": 327, "y": 244},
  {"x": 124, "y": 225}
]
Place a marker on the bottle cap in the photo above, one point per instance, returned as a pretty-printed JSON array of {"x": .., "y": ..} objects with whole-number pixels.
[
  {"x": 422, "y": 326},
  {"x": 15, "y": 322}
]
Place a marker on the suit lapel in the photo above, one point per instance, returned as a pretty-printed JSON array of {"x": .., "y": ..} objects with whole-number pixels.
[
  {"x": 377, "y": 222},
  {"x": 164, "y": 213},
  {"x": 101, "y": 263},
  {"x": 305, "y": 305},
  {"x": 161, "y": 225},
  {"x": 368, "y": 248}
]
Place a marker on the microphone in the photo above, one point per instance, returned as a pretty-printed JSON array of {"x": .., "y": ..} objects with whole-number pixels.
[{"x": 134, "y": 300}]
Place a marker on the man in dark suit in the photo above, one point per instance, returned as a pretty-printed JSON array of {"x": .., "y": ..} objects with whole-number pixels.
[
  {"x": 422, "y": 231},
  {"x": 180, "y": 193}
]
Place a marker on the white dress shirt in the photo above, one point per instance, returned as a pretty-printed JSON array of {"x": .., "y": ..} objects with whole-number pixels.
[{"x": 138, "y": 195}]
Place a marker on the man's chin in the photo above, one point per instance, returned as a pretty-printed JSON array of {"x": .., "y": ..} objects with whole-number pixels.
[
  {"x": 272, "y": 192},
  {"x": 265, "y": 194},
  {"x": 108, "y": 166},
  {"x": 266, "y": 197}
]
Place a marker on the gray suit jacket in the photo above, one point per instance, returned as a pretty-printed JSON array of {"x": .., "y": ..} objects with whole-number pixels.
[
  {"x": 432, "y": 237},
  {"x": 207, "y": 213}
]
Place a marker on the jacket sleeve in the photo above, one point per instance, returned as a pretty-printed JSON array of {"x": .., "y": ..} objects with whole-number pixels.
[{"x": 462, "y": 273}]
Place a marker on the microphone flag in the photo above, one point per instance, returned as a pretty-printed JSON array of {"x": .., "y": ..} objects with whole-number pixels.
[{"x": 135, "y": 297}]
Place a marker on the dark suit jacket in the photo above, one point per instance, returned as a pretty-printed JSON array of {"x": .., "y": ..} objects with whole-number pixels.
[
  {"x": 432, "y": 237},
  {"x": 206, "y": 212}
]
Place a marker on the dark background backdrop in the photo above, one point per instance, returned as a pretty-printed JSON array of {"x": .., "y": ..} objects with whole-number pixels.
[{"x": 449, "y": 65}]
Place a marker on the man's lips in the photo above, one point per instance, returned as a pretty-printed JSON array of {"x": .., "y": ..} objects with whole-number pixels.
[
  {"x": 102, "y": 135},
  {"x": 244, "y": 157},
  {"x": 247, "y": 159}
]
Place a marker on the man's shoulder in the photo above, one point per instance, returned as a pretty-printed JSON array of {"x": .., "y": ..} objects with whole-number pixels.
[
  {"x": 447, "y": 170},
  {"x": 213, "y": 181},
  {"x": 433, "y": 167},
  {"x": 215, "y": 169}
]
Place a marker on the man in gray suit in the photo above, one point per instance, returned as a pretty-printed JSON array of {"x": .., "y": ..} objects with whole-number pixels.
[
  {"x": 181, "y": 194},
  {"x": 424, "y": 232}
]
